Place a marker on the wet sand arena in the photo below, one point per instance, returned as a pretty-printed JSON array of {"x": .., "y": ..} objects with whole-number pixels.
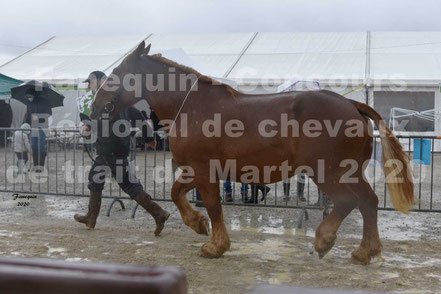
[{"x": 266, "y": 247}]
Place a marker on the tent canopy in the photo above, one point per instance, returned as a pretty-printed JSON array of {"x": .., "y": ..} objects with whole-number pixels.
[
  {"x": 70, "y": 58},
  {"x": 374, "y": 58},
  {"x": 6, "y": 83}
]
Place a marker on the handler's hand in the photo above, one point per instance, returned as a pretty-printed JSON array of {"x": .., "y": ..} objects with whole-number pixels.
[{"x": 85, "y": 131}]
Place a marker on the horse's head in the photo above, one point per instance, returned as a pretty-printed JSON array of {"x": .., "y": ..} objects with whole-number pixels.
[{"x": 122, "y": 88}]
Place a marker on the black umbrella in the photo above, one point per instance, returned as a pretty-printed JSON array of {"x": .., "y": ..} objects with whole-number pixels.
[{"x": 43, "y": 91}]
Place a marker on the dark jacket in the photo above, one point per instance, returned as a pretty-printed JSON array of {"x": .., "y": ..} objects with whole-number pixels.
[
  {"x": 5, "y": 115},
  {"x": 155, "y": 120},
  {"x": 114, "y": 145},
  {"x": 40, "y": 108}
]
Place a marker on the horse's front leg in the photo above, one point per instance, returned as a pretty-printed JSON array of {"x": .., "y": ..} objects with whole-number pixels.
[
  {"x": 220, "y": 242},
  {"x": 192, "y": 218}
]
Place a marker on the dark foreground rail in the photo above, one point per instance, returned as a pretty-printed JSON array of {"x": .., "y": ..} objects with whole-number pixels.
[{"x": 39, "y": 276}]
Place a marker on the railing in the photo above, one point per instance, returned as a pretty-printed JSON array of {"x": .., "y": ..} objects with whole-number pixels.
[{"x": 69, "y": 159}]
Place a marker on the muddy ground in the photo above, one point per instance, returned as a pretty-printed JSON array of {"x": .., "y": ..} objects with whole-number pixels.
[{"x": 266, "y": 246}]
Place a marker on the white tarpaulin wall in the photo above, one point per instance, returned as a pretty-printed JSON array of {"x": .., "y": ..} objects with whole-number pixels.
[{"x": 414, "y": 57}]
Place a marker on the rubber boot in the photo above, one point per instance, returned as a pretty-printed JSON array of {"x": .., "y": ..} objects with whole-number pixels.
[
  {"x": 92, "y": 214},
  {"x": 160, "y": 215},
  {"x": 300, "y": 190},
  {"x": 245, "y": 197},
  {"x": 20, "y": 166},
  {"x": 253, "y": 198},
  {"x": 265, "y": 190},
  {"x": 228, "y": 198},
  {"x": 286, "y": 188},
  {"x": 35, "y": 159},
  {"x": 42, "y": 160}
]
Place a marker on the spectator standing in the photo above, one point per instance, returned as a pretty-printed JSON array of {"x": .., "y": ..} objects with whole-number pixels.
[{"x": 22, "y": 147}]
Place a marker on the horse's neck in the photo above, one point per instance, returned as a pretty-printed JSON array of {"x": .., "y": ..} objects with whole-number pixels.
[
  {"x": 166, "y": 104},
  {"x": 164, "y": 108}
]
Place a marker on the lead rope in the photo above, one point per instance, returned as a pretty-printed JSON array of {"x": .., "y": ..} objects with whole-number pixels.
[{"x": 182, "y": 106}]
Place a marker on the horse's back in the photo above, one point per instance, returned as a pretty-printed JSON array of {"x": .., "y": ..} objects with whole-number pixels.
[{"x": 324, "y": 104}]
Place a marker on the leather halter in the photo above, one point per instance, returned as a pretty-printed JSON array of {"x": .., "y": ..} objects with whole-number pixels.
[{"x": 110, "y": 106}]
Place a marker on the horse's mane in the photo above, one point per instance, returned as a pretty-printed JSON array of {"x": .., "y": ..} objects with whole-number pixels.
[{"x": 202, "y": 78}]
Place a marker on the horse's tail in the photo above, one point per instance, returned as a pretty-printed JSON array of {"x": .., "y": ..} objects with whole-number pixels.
[{"x": 397, "y": 171}]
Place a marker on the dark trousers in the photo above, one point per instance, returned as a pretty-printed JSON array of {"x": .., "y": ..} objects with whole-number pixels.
[
  {"x": 38, "y": 145},
  {"x": 118, "y": 167},
  {"x": 22, "y": 159},
  {"x": 3, "y": 136},
  {"x": 22, "y": 156}
]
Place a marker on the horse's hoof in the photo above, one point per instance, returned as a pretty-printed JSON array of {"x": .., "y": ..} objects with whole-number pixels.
[
  {"x": 324, "y": 244},
  {"x": 323, "y": 253},
  {"x": 203, "y": 227},
  {"x": 209, "y": 250},
  {"x": 360, "y": 257}
]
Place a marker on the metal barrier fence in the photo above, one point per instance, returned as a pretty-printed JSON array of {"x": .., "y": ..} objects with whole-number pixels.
[{"x": 68, "y": 161}]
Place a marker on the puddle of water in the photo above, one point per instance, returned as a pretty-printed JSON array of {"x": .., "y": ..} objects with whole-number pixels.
[
  {"x": 280, "y": 278},
  {"x": 270, "y": 249},
  {"x": 273, "y": 226},
  {"x": 55, "y": 250},
  {"x": 271, "y": 230},
  {"x": 392, "y": 226},
  {"x": 274, "y": 278},
  {"x": 389, "y": 275},
  {"x": 301, "y": 232},
  {"x": 5, "y": 233},
  {"x": 61, "y": 208},
  {"x": 434, "y": 276},
  {"x": 145, "y": 243},
  {"x": 408, "y": 263}
]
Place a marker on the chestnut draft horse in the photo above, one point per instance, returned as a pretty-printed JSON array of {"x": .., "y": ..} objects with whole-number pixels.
[{"x": 342, "y": 182}]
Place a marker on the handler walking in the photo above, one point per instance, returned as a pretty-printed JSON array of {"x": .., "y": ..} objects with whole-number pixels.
[{"x": 113, "y": 149}]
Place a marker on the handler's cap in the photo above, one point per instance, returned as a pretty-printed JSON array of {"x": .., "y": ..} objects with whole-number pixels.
[{"x": 98, "y": 75}]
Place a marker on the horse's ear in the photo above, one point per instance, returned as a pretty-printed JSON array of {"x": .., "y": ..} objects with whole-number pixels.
[
  {"x": 147, "y": 49},
  {"x": 138, "y": 51}
]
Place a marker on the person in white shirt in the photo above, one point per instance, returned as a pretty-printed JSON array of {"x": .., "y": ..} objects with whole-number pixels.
[{"x": 22, "y": 147}]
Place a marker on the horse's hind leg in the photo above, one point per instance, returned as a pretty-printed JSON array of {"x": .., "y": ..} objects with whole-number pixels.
[
  {"x": 192, "y": 218},
  {"x": 344, "y": 202},
  {"x": 370, "y": 245}
]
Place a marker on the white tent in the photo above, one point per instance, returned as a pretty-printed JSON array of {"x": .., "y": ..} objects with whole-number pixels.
[
  {"x": 69, "y": 59},
  {"x": 385, "y": 69}
]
